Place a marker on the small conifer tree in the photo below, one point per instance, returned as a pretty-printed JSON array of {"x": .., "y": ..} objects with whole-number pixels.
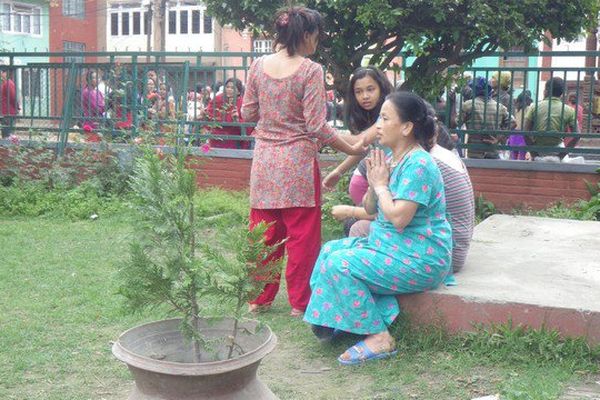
[{"x": 171, "y": 264}]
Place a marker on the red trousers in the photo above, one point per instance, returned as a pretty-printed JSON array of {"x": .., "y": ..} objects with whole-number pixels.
[{"x": 302, "y": 228}]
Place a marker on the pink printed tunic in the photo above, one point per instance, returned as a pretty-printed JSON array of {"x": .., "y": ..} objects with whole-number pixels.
[{"x": 291, "y": 124}]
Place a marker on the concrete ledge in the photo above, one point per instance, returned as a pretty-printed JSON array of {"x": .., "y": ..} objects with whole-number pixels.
[
  {"x": 534, "y": 271},
  {"x": 589, "y": 167}
]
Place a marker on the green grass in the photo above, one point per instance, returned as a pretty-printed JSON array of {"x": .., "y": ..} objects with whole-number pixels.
[{"x": 59, "y": 315}]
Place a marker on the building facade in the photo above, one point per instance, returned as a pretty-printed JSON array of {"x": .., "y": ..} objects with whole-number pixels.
[
  {"x": 24, "y": 27},
  {"x": 73, "y": 27}
]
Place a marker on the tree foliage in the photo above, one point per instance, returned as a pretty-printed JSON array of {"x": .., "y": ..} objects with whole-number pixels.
[
  {"x": 173, "y": 262},
  {"x": 439, "y": 33}
]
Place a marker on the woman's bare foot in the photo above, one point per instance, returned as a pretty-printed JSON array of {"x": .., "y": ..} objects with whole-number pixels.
[
  {"x": 296, "y": 313},
  {"x": 258, "y": 308},
  {"x": 378, "y": 343}
]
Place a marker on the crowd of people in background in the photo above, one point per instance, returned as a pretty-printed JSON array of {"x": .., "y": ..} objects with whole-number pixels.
[
  {"x": 490, "y": 114},
  {"x": 484, "y": 112},
  {"x": 107, "y": 97}
]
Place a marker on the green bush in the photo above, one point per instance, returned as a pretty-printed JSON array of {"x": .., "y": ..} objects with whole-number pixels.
[
  {"x": 34, "y": 199},
  {"x": 84, "y": 182},
  {"x": 484, "y": 209}
]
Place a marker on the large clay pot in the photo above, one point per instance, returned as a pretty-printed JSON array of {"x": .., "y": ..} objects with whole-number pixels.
[{"x": 161, "y": 362}]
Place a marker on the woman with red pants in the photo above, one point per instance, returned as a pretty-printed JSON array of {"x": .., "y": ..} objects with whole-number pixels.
[{"x": 285, "y": 95}]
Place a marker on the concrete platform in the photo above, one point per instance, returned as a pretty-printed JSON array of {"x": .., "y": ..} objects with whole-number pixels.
[{"x": 535, "y": 271}]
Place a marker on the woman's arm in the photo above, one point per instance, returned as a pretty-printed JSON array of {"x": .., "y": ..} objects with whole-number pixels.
[
  {"x": 338, "y": 143},
  {"x": 334, "y": 176},
  {"x": 314, "y": 113},
  {"x": 249, "y": 110},
  {"x": 370, "y": 201},
  {"x": 368, "y": 136},
  {"x": 399, "y": 212},
  {"x": 341, "y": 212}
]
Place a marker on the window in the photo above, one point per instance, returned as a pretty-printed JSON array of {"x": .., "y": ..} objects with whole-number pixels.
[
  {"x": 74, "y": 47},
  {"x": 125, "y": 23},
  {"x": 21, "y": 18},
  {"x": 172, "y": 22},
  {"x": 196, "y": 21},
  {"x": 37, "y": 22},
  {"x": 263, "y": 46},
  {"x": 114, "y": 24},
  {"x": 183, "y": 22},
  {"x": 136, "y": 23},
  {"x": 6, "y": 25},
  {"x": 26, "y": 23},
  {"x": 207, "y": 24},
  {"x": 74, "y": 8},
  {"x": 147, "y": 24}
]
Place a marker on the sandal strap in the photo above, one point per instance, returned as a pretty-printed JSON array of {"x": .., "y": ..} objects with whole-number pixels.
[{"x": 360, "y": 351}]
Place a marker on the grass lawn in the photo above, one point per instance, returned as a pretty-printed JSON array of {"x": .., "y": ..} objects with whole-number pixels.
[{"x": 59, "y": 315}]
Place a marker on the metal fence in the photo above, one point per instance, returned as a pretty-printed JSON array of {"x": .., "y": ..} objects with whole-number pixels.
[{"x": 123, "y": 95}]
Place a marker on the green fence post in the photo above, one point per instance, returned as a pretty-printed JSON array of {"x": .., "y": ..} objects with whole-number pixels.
[
  {"x": 134, "y": 96},
  {"x": 67, "y": 110},
  {"x": 181, "y": 115}
]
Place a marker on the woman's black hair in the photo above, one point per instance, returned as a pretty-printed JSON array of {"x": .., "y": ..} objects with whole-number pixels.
[
  {"x": 357, "y": 118},
  {"x": 238, "y": 85},
  {"x": 412, "y": 108},
  {"x": 523, "y": 100},
  {"x": 200, "y": 87},
  {"x": 442, "y": 135},
  {"x": 88, "y": 76},
  {"x": 292, "y": 23}
]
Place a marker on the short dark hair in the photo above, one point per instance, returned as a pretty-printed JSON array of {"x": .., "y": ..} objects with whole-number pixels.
[
  {"x": 412, "y": 108},
  {"x": 292, "y": 23},
  {"x": 554, "y": 87},
  {"x": 523, "y": 100},
  {"x": 357, "y": 118}
]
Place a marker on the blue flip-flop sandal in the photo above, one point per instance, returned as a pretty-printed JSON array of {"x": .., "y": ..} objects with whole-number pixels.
[{"x": 360, "y": 353}]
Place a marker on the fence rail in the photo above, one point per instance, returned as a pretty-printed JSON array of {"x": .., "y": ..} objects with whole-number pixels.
[{"x": 122, "y": 95}]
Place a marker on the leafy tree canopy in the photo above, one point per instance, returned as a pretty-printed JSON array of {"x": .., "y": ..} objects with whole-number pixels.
[{"x": 439, "y": 33}]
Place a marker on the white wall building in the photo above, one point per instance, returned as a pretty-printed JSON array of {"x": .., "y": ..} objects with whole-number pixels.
[{"x": 188, "y": 27}]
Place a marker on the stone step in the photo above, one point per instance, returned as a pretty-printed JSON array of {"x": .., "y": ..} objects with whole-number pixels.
[{"x": 534, "y": 271}]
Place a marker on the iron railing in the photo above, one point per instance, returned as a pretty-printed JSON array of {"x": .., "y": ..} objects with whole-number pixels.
[{"x": 163, "y": 92}]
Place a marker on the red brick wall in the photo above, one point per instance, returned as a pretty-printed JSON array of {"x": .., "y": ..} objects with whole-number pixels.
[
  {"x": 73, "y": 29},
  {"x": 507, "y": 189},
  {"x": 227, "y": 173}
]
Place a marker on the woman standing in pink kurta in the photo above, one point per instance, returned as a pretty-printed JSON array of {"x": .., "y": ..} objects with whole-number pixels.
[{"x": 285, "y": 95}]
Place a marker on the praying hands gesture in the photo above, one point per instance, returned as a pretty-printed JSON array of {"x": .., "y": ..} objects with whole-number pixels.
[{"x": 378, "y": 171}]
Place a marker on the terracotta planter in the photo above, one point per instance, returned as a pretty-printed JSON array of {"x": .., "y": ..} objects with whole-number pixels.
[{"x": 161, "y": 362}]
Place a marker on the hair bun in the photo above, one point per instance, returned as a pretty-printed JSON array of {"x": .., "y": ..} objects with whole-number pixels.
[{"x": 283, "y": 20}]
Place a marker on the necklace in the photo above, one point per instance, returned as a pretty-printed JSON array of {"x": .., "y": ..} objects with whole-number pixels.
[{"x": 394, "y": 164}]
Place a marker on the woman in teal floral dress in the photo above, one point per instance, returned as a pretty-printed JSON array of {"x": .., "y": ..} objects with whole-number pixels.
[{"x": 355, "y": 281}]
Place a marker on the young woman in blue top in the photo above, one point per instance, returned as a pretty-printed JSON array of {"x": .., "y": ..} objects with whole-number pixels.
[{"x": 355, "y": 281}]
